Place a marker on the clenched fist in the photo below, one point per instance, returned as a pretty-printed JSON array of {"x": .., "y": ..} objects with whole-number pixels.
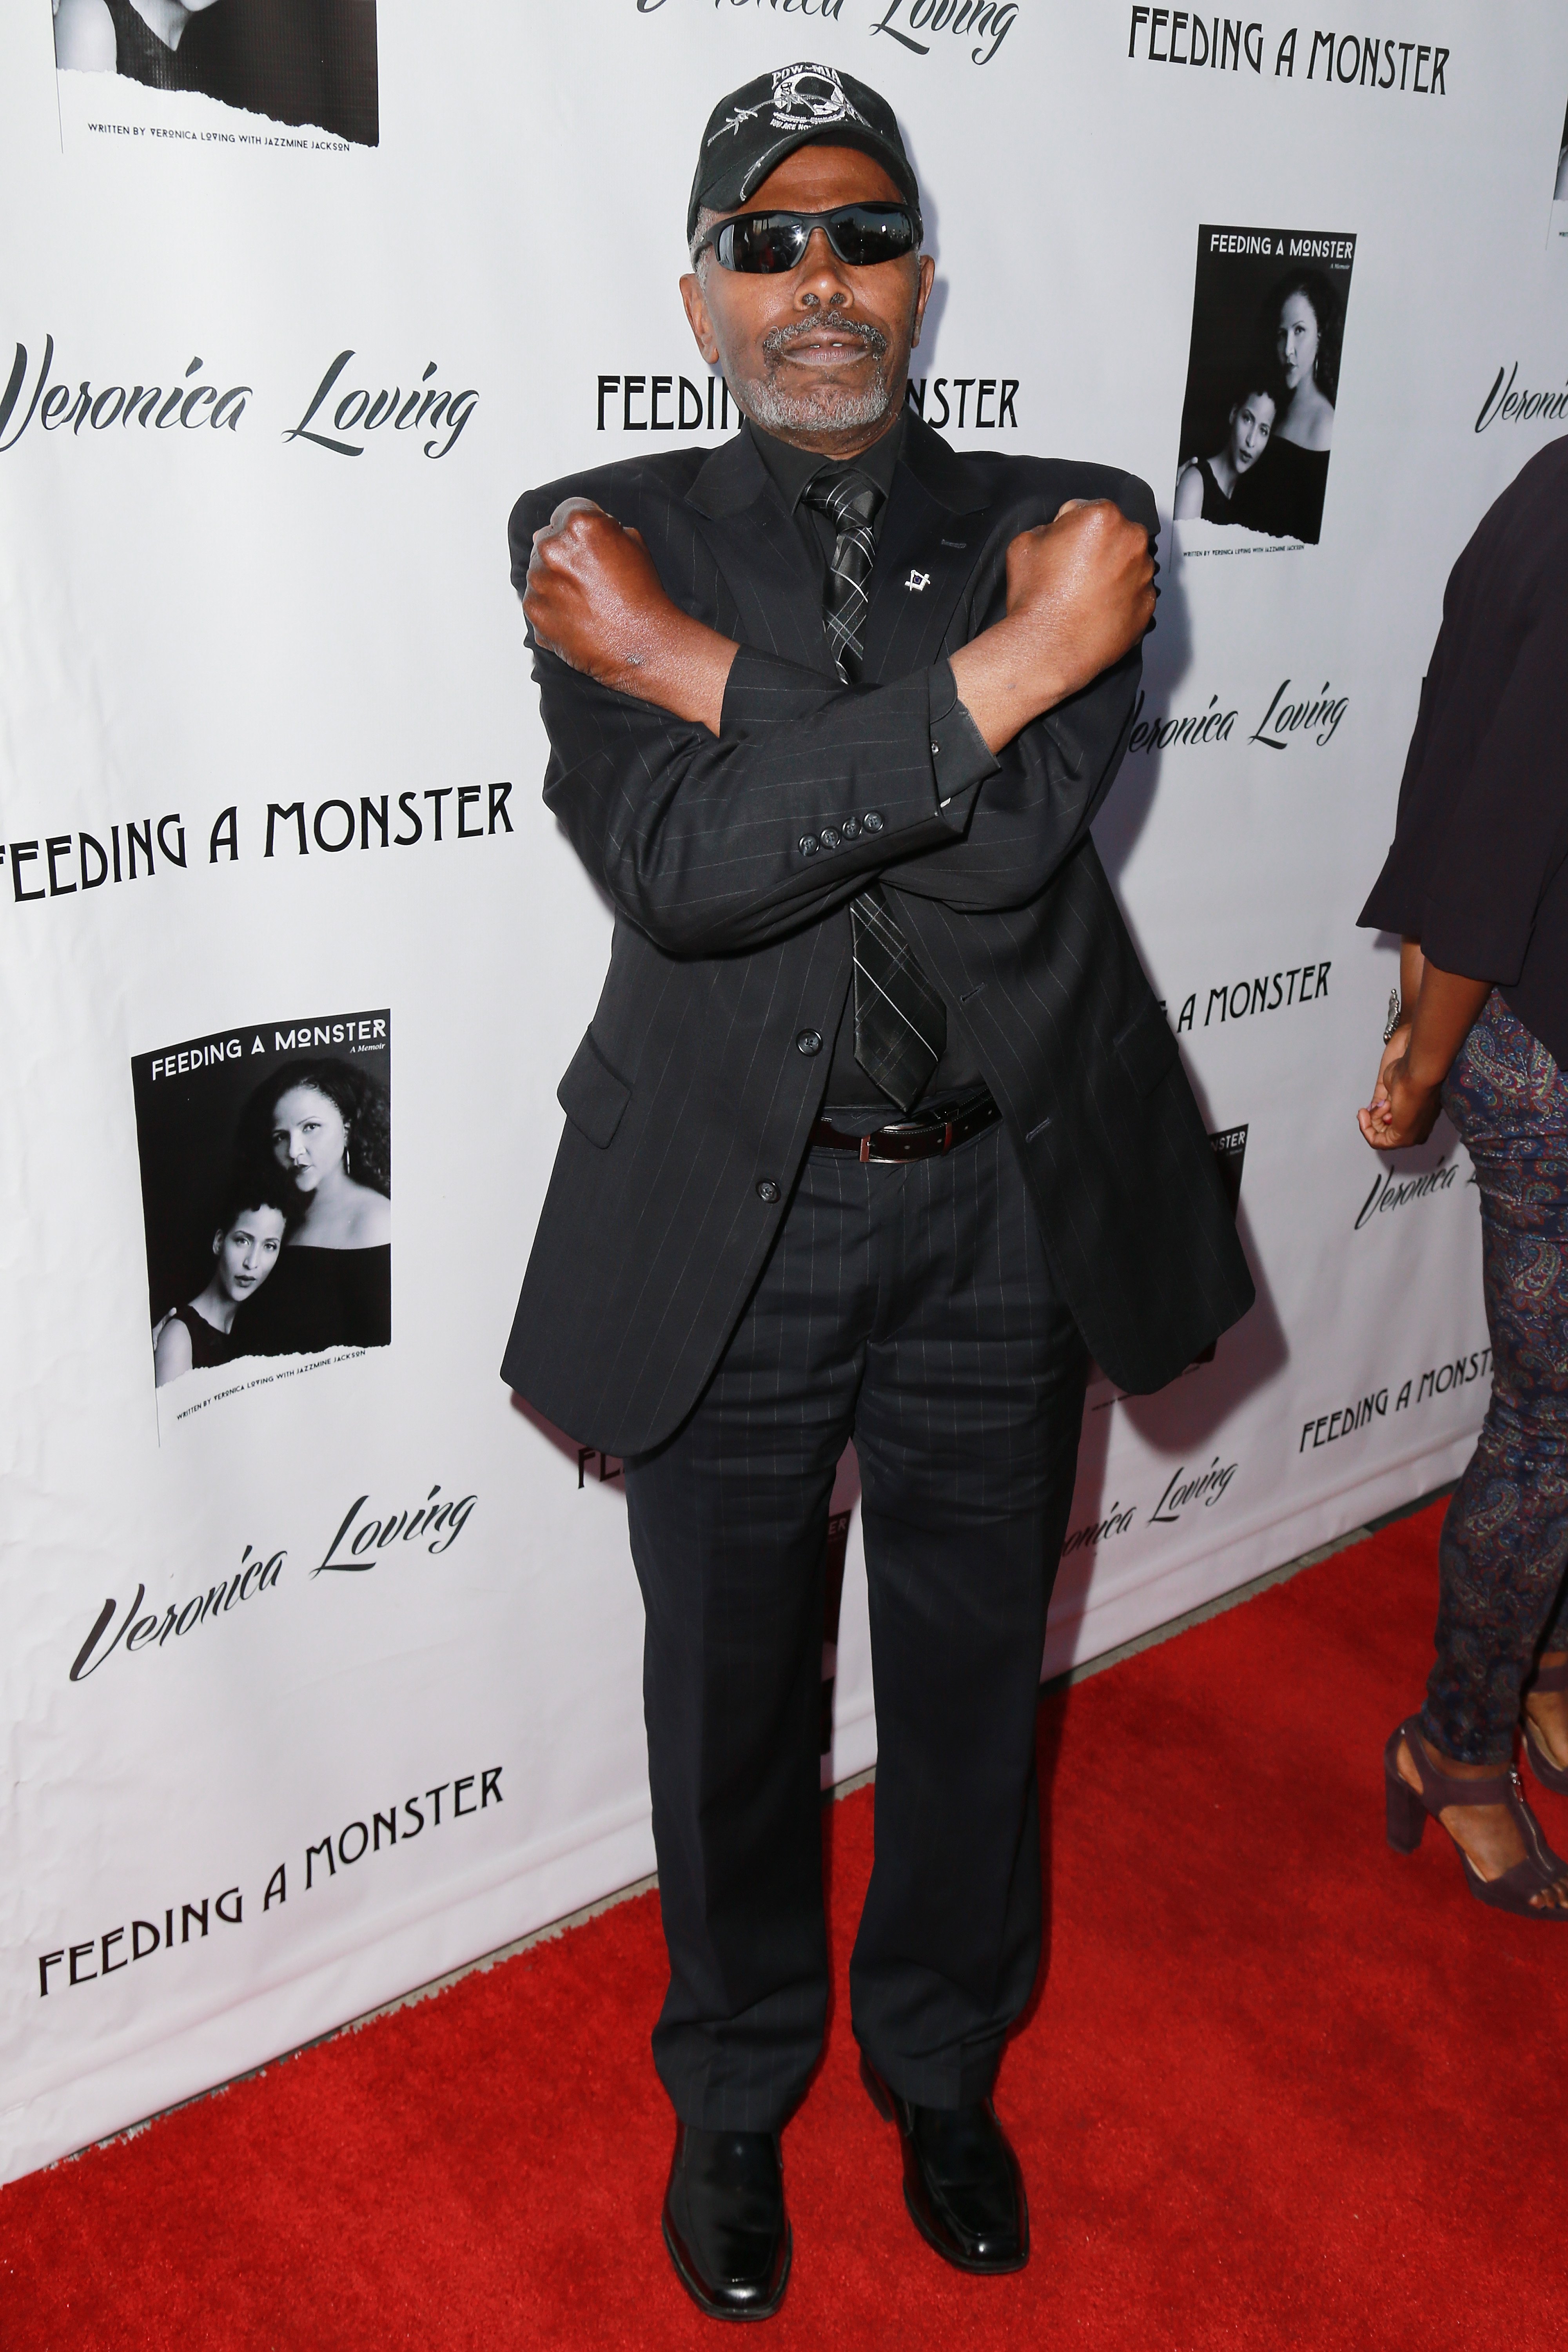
[
  {"x": 1086, "y": 583},
  {"x": 1081, "y": 593},
  {"x": 594, "y": 600},
  {"x": 592, "y": 591}
]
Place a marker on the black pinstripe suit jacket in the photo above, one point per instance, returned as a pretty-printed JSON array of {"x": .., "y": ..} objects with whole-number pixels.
[{"x": 687, "y": 1103}]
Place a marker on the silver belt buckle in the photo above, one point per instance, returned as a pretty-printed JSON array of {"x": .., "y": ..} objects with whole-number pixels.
[{"x": 906, "y": 1126}]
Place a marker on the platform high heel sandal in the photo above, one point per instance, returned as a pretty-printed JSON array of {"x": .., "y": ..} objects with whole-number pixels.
[
  {"x": 1551, "y": 1776},
  {"x": 1407, "y": 1809}
]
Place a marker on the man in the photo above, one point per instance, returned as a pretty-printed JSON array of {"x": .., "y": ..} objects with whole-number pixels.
[{"x": 878, "y": 1131}]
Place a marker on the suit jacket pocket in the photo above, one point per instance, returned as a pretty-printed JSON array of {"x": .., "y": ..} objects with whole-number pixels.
[
  {"x": 1147, "y": 1047},
  {"x": 593, "y": 1098}
]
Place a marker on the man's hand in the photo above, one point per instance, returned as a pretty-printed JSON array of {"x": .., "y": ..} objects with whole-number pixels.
[
  {"x": 592, "y": 594},
  {"x": 1080, "y": 592},
  {"x": 1084, "y": 585},
  {"x": 594, "y": 600}
]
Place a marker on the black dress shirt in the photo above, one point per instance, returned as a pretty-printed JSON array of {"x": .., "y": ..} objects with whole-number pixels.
[
  {"x": 963, "y": 758},
  {"x": 1479, "y": 869}
]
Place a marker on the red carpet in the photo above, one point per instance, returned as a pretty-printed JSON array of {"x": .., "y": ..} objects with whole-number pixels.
[{"x": 1278, "y": 2087}]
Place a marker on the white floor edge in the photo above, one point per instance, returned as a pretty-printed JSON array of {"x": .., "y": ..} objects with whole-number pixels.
[{"x": 853, "y": 1751}]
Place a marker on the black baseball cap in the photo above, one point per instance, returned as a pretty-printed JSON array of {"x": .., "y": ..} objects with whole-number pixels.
[{"x": 751, "y": 131}]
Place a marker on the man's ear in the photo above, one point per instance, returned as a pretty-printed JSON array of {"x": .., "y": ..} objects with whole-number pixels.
[
  {"x": 926, "y": 280},
  {"x": 702, "y": 325}
]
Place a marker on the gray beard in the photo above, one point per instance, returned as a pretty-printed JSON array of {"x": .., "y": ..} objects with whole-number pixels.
[{"x": 824, "y": 409}]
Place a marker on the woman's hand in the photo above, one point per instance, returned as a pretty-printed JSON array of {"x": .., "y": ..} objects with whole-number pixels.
[
  {"x": 1418, "y": 1056},
  {"x": 1395, "y": 1046},
  {"x": 1402, "y": 1110}
]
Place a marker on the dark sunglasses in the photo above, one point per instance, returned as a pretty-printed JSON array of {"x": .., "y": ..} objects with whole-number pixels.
[{"x": 861, "y": 235}]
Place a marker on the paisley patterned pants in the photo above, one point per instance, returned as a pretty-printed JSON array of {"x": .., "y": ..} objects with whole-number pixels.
[{"x": 1505, "y": 1539}]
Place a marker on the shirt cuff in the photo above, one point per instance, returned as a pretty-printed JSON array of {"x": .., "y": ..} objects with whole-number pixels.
[{"x": 960, "y": 755}]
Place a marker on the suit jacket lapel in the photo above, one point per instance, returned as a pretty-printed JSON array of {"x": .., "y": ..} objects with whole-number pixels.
[
  {"x": 926, "y": 552},
  {"x": 757, "y": 547}
]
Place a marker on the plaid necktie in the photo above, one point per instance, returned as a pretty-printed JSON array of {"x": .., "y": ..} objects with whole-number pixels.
[{"x": 900, "y": 1021}]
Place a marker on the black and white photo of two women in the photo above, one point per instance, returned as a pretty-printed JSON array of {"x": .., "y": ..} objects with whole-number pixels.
[
  {"x": 1263, "y": 379},
  {"x": 267, "y": 1191},
  {"x": 295, "y": 61}
]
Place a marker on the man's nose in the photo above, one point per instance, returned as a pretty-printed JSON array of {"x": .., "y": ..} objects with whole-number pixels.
[{"x": 819, "y": 273}]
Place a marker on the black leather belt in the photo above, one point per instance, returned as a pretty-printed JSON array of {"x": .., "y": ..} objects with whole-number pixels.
[{"x": 911, "y": 1139}]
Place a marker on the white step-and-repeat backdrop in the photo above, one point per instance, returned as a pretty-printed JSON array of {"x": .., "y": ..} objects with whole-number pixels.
[{"x": 319, "y": 1655}]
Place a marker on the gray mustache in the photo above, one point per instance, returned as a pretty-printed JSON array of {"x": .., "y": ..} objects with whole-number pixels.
[{"x": 780, "y": 340}]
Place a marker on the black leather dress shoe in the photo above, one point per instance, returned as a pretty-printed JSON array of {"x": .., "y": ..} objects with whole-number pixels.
[
  {"x": 724, "y": 2221},
  {"x": 962, "y": 2181}
]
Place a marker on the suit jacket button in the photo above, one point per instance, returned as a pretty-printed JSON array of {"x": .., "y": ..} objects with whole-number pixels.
[
  {"x": 829, "y": 837},
  {"x": 808, "y": 1042},
  {"x": 809, "y": 844},
  {"x": 871, "y": 821},
  {"x": 850, "y": 827},
  {"x": 768, "y": 1191}
]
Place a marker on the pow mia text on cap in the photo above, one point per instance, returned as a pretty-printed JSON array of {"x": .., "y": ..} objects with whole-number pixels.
[{"x": 751, "y": 131}]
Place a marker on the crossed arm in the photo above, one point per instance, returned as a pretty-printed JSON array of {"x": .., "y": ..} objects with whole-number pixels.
[
  {"x": 1080, "y": 592},
  {"x": 695, "y": 776}
]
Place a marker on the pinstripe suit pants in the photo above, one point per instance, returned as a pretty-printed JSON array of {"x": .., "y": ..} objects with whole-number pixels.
[{"x": 910, "y": 1308}]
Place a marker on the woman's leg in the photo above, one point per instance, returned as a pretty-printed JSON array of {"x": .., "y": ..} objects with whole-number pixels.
[
  {"x": 1548, "y": 1709},
  {"x": 1500, "y": 1556},
  {"x": 1505, "y": 1539}
]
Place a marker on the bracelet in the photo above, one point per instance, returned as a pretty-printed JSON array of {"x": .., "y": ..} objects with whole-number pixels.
[{"x": 1395, "y": 1015}]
